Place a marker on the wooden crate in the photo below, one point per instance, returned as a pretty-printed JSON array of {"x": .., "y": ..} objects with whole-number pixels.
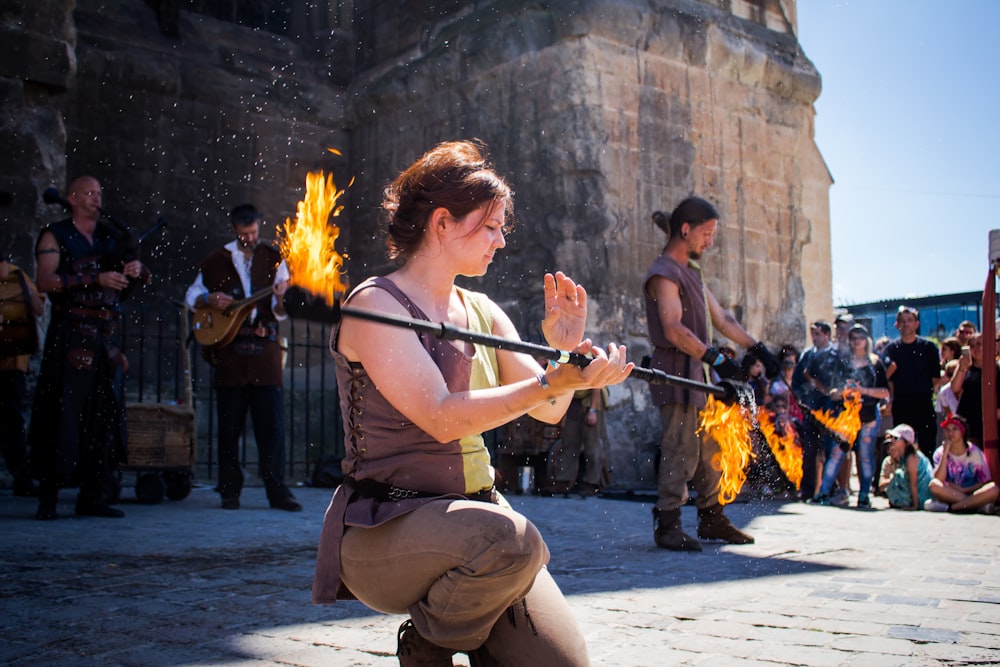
[{"x": 160, "y": 436}]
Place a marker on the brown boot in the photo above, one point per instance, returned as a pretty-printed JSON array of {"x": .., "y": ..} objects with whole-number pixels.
[
  {"x": 481, "y": 658},
  {"x": 415, "y": 651},
  {"x": 667, "y": 532},
  {"x": 713, "y": 525}
]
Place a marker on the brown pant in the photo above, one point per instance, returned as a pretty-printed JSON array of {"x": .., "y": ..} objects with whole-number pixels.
[
  {"x": 685, "y": 457},
  {"x": 578, "y": 438},
  {"x": 469, "y": 574}
]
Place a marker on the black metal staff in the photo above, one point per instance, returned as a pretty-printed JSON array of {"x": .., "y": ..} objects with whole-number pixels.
[{"x": 300, "y": 303}]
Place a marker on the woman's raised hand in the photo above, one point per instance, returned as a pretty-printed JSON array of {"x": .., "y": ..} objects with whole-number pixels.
[{"x": 565, "y": 311}]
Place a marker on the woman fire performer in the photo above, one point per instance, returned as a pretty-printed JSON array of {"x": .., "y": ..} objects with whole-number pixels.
[{"x": 418, "y": 527}]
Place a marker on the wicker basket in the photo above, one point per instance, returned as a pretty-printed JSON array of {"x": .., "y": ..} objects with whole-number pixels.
[{"x": 160, "y": 436}]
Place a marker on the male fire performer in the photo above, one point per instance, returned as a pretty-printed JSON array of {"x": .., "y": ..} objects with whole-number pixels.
[
  {"x": 681, "y": 314},
  {"x": 248, "y": 374}
]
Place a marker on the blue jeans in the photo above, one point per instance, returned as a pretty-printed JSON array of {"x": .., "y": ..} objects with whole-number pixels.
[{"x": 864, "y": 448}]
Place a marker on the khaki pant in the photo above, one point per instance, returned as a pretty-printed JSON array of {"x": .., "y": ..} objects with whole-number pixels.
[
  {"x": 469, "y": 574},
  {"x": 685, "y": 457}
]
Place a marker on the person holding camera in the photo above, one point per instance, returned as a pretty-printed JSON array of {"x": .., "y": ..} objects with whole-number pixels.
[{"x": 967, "y": 386}]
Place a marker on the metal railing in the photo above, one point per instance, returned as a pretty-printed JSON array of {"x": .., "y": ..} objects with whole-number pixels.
[{"x": 157, "y": 341}]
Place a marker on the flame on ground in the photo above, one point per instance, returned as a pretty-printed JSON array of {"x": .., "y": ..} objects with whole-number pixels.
[
  {"x": 786, "y": 449},
  {"x": 729, "y": 426},
  {"x": 307, "y": 244},
  {"x": 846, "y": 424}
]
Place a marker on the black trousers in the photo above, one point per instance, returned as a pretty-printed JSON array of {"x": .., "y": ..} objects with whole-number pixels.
[
  {"x": 265, "y": 406},
  {"x": 917, "y": 410},
  {"x": 13, "y": 411}
]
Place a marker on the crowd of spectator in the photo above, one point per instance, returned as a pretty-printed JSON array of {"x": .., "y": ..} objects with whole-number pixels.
[{"x": 922, "y": 424}]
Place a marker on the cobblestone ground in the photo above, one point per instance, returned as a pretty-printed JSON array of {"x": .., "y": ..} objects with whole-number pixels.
[{"x": 186, "y": 583}]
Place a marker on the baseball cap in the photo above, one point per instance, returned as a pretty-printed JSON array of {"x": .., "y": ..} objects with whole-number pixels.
[{"x": 903, "y": 432}]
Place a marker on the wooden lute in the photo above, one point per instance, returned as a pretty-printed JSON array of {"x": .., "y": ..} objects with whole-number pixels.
[{"x": 219, "y": 326}]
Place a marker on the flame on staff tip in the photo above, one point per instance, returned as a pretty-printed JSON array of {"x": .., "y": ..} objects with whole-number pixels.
[
  {"x": 847, "y": 423},
  {"x": 786, "y": 449},
  {"x": 307, "y": 244},
  {"x": 729, "y": 426}
]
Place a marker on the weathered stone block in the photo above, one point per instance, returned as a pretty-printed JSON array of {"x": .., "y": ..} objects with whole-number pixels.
[{"x": 36, "y": 58}]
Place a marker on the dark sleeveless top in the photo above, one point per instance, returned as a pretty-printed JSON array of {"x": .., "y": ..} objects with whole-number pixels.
[{"x": 77, "y": 255}]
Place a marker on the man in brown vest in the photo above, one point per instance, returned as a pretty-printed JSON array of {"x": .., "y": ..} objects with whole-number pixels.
[{"x": 248, "y": 376}]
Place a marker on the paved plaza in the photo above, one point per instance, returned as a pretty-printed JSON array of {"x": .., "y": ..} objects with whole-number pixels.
[{"x": 186, "y": 583}]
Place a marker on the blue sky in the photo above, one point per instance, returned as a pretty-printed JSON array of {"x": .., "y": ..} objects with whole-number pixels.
[{"x": 907, "y": 124}]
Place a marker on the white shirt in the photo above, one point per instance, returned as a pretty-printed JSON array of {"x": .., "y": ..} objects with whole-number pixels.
[
  {"x": 947, "y": 403},
  {"x": 242, "y": 265}
]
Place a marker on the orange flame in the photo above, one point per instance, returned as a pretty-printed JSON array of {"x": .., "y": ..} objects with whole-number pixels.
[
  {"x": 307, "y": 244},
  {"x": 848, "y": 422},
  {"x": 786, "y": 449},
  {"x": 729, "y": 426}
]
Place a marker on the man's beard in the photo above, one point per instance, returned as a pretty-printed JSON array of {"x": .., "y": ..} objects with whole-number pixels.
[
  {"x": 692, "y": 254},
  {"x": 248, "y": 245}
]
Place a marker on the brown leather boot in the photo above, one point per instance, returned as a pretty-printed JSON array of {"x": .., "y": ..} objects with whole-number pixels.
[
  {"x": 481, "y": 658},
  {"x": 667, "y": 532},
  {"x": 415, "y": 651},
  {"x": 713, "y": 525}
]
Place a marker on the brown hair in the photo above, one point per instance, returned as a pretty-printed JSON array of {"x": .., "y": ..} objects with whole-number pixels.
[
  {"x": 454, "y": 175},
  {"x": 693, "y": 210},
  {"x": 908, "y": 309},
  {"x": 954, "y": 345}
]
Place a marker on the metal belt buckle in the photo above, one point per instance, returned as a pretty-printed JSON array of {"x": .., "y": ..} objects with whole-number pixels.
[{"x": 396, "y": 493}]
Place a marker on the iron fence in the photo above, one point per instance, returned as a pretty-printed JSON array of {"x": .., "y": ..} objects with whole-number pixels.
[{"x": 166, "y": 366}]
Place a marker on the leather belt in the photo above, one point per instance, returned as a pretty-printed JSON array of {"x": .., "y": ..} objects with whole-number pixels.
[
  {"x": 260, "y": 331},
  {"x": 95, "y": 313},
  {"x": 370, "y": 488}
]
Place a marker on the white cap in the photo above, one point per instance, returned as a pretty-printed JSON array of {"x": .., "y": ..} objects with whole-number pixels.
[{"x": 903, "y": 432}]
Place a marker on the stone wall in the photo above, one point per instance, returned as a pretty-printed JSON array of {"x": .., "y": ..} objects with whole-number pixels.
[
  {"x": 37, "y": 65},
  {"x": 597, "y": 112},
  {"x": 188, "y": 127}
]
